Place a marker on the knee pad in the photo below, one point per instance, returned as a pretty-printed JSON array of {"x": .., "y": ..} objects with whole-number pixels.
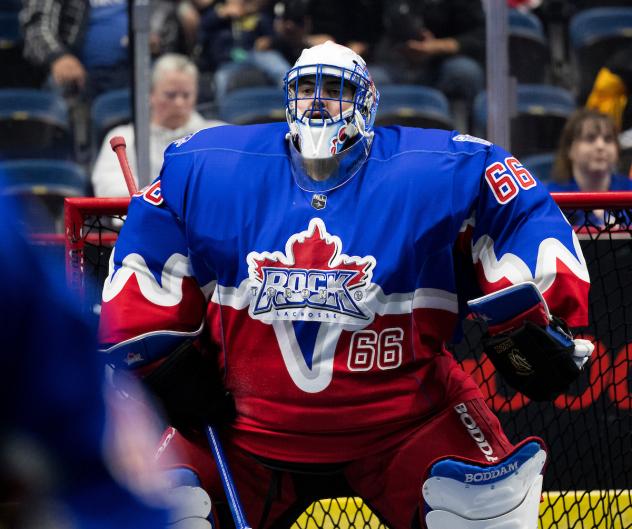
[
  {"x": 189, "y": 503},
  {"x": 464, "y": 495}
]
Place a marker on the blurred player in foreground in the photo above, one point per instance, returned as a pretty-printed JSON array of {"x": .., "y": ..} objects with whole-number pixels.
[
  {"x": 321, "y": 271},
  {"x": 54, "y": 473}
]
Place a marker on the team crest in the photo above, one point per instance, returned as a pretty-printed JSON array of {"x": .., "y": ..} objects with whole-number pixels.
[
  {"x": 312, "y": 281},
  {"x": 319, "y": 201}
]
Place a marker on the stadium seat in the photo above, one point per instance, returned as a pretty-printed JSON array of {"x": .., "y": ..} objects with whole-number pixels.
[
  {"x": 595, "y": 34},
  {"x": 529, "y": 53},
  {"x": 16, "y": 72},
  {"x": 34, "y": 124},
  {"x": 260, "y": 104},
  {"x": 10, "y": 35},
  {"x": 540, "y": 165},
  {"x": 248, "y": 77},
  {"x": 11, "y": 5},
  {"x": 40, "y": 187},
  {"x": 541, "y": 112},
  {"x": 108, "y": 110},
  {"x": 208, "y": 109},
  {"x": 413, "y": 105}
]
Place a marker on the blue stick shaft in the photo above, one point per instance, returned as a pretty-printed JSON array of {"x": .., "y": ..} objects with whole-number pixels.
[{"x": 232, "y": 496}]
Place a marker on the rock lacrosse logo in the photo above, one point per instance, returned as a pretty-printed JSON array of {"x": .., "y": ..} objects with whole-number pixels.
[{"x": 312, "y": 281}]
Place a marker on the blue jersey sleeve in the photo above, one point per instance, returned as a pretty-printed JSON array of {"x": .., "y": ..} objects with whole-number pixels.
[{"x": 519, "y": 234}]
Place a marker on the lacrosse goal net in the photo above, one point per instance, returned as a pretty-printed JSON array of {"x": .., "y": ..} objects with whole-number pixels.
[{"x": 588, "y": 430}]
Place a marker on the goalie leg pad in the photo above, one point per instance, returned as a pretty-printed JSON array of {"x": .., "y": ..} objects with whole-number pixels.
[
  {"x": 463, "y": 495},
  {"x": 190, "y": 504}
]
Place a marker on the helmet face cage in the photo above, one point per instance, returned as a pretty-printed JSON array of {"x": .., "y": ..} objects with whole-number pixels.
[{"x": 363, "y": 98}]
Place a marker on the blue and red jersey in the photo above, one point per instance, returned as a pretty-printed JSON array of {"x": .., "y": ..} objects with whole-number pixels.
[{"x": 331, "y": 321}]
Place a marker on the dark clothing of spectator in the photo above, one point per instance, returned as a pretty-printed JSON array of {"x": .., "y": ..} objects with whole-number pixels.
[
  {"x": 462, "y": 20},
  {"x": 348, "y": 22},
  {"x": 53, "y": 28},
  {"x": 224, "y": 39},
  {"x": 231, "y": 48},
  {"x": 291, "y": 28},
  {"x": 580, "y": 217},
  {"x": 57, "y": 28},
  {"x": 439, "y": 43}
]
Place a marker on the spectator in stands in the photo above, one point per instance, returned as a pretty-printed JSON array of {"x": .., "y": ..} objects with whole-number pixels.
[
  {"x": 189, "y": 17},
  {"x": 586, "y": 159},
  {"x": 173, "y": 115},
  {"x": 299, "y": 24},
  {"x": 292, "y": 27},
  {"x": 83, "y": 44},
  {"x": 356, "y": 24},
  {"x": 438, "y": 43},
  {"x": 235, "y": 38}
]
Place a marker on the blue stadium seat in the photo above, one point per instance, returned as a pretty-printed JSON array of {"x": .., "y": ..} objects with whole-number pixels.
[
  {"x": 542, "y": 98},
  {"x": 16, "y": 72},
  {"x": 10, "y": 34},
  {"x": 529, "y": 51},
  {"x": 522, "y": 21},
  {"x": 208, "y": 109},
  {"x": 34, "y": 124},
  {"x": 11, "y": 5},
  {"x": 413, "y": 105},
  {"x": 540, "y": 165},
  {"x": 260, "y": 104},
  {"x": 542, "y": 111},
  {"x": 596, "y": 34},
  {"x": 247, "y": 77},
  {"x": 108, "y": 110},
  {"x": 40, "y": 187}
]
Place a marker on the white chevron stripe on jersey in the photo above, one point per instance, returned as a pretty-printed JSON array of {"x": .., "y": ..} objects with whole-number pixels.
[
  {"x": 514, "y": 269},
  {"x": 166, "y": 294},
  {"x": 433, "y": 298}
]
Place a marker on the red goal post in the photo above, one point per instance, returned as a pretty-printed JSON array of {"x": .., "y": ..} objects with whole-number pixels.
[{"x": 588, "y": 430}]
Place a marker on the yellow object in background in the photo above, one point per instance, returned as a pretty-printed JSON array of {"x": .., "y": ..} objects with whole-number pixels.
[
  {"x": 594, "y": 509},
  {"x": 609, "y": 95},
  {"x": 338, "y": 513}
]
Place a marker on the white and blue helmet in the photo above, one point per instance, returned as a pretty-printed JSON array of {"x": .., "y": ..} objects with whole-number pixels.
[{"x": 317, "y": 133}]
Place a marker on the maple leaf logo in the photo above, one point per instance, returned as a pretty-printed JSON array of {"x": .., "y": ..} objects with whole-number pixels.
[{"x": 312, "y": 273}]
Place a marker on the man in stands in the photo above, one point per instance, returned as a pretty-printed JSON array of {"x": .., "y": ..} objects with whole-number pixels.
[
  {"x": 83, "y": 45},
  {"x": 173, "y": 115}
]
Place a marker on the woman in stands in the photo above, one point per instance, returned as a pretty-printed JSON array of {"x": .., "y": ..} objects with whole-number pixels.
[{"x": 587, "y": 159}]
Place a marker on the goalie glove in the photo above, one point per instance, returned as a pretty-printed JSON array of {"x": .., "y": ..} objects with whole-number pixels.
[
  {"x": 190, "y": 390},
  {"x": 534, "y": 351}
]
